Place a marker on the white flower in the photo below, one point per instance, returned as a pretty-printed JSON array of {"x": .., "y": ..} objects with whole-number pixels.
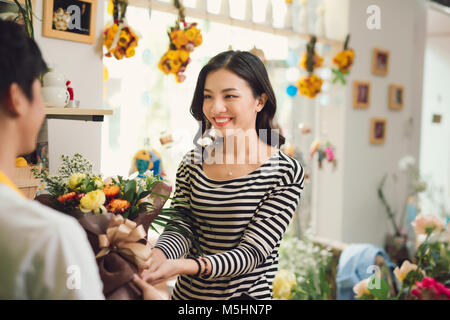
[{"x": 406, "y": 162}]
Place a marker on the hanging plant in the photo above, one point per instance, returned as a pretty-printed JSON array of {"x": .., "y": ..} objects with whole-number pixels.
[
  {"x": 344, "y": 61},
  {"x": 184, "y": 37},
  {"x": 119, "y": 38},
  {"x": 26, "y": 13},
  {"x": 311, "y": 84}
]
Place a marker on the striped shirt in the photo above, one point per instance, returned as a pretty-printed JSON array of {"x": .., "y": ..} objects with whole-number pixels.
[{"x": 240, "y": 230}]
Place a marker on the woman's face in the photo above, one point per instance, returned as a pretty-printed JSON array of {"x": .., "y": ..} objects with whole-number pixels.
[{"x": 228, "y": 102}]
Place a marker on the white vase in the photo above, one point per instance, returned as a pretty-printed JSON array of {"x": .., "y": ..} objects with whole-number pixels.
[
  {"x": 54, "y": 78},
  {"x": 303, "y": 19},
  {"x": 56, "y": 97},
  {"x": 320, "y": 22}
]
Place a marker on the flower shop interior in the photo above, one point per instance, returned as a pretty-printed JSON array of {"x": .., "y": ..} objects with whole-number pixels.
[{"x": 371, "y": 132}]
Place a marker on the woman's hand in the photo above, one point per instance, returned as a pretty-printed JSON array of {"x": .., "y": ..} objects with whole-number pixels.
[
  {"x": 169, "y": 269},
  {"x": 148, "y": 291},
  {"x": 157, "y": 258}
]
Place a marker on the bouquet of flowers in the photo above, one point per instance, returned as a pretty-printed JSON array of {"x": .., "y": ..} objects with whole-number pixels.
[
  {"x": 119, "y": 38},
  {"x": 116, "y": 214},
  {"x": 303, "y": 268},
  {"x": 184, "y": 38},
  {"x": 343, "y": 60},
  {"x": 428, "y": 278},
  {"x": 311, "y": 84}
]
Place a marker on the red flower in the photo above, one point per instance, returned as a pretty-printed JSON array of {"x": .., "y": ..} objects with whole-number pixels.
[
  {"x": 67, "y": 197},
  {"x": 430, "y": 289}
]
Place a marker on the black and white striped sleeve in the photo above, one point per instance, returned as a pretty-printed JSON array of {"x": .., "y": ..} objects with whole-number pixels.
[
  {"x": 173, "y": 244},
  {"x": 265, "y": 230}
]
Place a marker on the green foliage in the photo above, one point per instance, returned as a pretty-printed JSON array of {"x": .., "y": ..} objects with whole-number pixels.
[
  {"x": 26, "y": 12},
  {"x": 57, "y": 185},
  {"x": 309, "y": 262}
]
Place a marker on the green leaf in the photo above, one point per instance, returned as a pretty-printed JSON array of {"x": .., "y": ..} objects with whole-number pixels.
[
  {"x": 382, "y": 292},
  {"x": 130, "y": 191}
]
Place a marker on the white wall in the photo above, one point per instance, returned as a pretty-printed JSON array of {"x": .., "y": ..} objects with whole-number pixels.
[
  {"x": 82, "y": 64},
  {"x": 348, "y": 208},
  {"x": 435, "y": 153}
]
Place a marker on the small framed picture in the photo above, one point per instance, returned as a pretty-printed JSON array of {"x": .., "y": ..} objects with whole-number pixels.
[
  {"x": 396, "y": 97},
  {"x": 361, "y": 94},
  {"x": 437, "y": 118},
  {"x": 377, "y": 130},
  {"x": 72, "y": 20},
  {"x": 380, "y": 62}
]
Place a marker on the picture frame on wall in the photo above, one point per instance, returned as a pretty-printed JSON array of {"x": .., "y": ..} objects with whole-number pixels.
[
  {"x": 380, "y": 62},
  {"x": 396, "y": 97},
  {"x": 378, "y": 130},
  {"x": 72, "y": 20},
  {"x": 361, "y": 94}
]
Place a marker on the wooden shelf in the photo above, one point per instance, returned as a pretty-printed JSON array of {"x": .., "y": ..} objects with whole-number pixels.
[{"x": 77, "y": 114}]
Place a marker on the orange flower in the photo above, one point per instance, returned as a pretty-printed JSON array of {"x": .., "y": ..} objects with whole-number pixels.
[
  {"x": 111, "y": 191},
  {"x": 67, "y": 197},
  {"x": 118, "y": 206}
]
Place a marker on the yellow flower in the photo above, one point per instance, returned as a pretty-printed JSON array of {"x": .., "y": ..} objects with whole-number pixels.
[
  {"x": 164, "y": 65},
  {"x": 130, "y": 52},
  {"x": 172, "y": 54},
  {"x": 318, "y": 61},
  {"x": 98, "y": 183},
  {"x": 183, "y": 55},
  {"x": 190, "y": 34},
  {"x": 108, "y": 43},
  {"x": 362, "y": 288},
  {"x": 118, "y": 54},
  {"x": 76, "y": 180},
  {"x": 344, "y": 60},
  {"x": 124, "y": 38},
  {"x": 310, "y": 86},
  {"x": 174, "y": 66},
  {"x": 283, "y": 284},
  {"x": 406, "y": 268},
  {"x": 115, "y": 28},
  {"x": 178, "y": 38},
  {"x": 93, "y": 201},
  {"x": 198, "y": 40}
]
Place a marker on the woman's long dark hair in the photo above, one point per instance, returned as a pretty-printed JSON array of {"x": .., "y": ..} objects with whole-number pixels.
[{"x": 250, "y": 68}]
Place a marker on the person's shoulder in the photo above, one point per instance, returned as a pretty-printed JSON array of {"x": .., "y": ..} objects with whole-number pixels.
[
  {"x": 193, "y": 156},
  {"x": 295, "y": 171},
  {"x": 32, "y": 215}
]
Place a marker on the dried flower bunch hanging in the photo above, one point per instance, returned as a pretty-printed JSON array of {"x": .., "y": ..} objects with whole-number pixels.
[
  {"x": 184, "y": 37},
  {"x": 344, "y": 61},
  {"x": 119, "y": 39},
  {"x": 311, "y": 84}
]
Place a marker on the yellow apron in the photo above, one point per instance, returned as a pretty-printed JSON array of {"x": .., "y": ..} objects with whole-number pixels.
[{"x": 4, "y": 179}]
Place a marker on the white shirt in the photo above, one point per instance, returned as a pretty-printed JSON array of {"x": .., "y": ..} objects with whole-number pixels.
[{"x": 44, "y": 254}]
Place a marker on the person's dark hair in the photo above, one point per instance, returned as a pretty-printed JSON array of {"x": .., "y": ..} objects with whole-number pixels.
[
  {"x": 20, "y": 59},
  {"x": 250, "y": 68}
]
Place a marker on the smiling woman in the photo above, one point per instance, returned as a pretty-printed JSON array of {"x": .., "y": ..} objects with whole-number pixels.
[{"x": 241, "y": 209}]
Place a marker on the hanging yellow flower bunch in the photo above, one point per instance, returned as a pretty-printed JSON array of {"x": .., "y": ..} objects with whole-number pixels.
[
  {"x": 344, "y": 61},
  {"x": 184, "y": 38},
  {"x": 119, "y": 39},
  {"x": 310, "y": 85},
  {"x": 318, "y": 61}
]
